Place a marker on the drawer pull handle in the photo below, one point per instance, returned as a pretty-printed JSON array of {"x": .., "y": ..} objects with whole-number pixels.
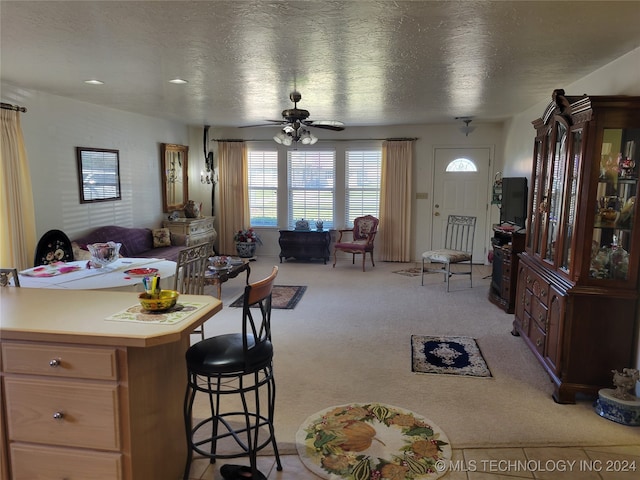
[
  {"x": 543, "y": 293},
  {"x": 538, "y": 342},
  {"x": 58, "y": 416},
  {"x": 54, "y": 363}
]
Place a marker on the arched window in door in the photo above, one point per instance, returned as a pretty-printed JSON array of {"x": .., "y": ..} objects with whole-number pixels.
[{"x": 461, "y": 165}]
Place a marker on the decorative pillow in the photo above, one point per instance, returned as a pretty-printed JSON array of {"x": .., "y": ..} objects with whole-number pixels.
[
  {"x": 161, "y": 237},
  {"x": 80, "y": 253}
]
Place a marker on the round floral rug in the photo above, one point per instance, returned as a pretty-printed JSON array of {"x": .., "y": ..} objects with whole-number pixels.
[{"x": 372, "y": 441}]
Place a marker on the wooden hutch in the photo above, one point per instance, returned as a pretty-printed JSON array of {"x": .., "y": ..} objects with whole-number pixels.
[{"x": 577, "y": 287}]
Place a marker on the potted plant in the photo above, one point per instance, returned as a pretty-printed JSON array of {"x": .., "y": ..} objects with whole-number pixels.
[{"x": 246, "y": 242}]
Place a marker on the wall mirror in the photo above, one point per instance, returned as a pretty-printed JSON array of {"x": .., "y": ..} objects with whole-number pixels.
[
  {"x": 98, "y": 174},
  {"x": 175, "y": 187}
]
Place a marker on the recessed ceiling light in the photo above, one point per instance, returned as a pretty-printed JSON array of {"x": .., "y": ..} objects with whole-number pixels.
[
  {"x": 94, "y": 82},
  {"x": 178, "y": 81}
]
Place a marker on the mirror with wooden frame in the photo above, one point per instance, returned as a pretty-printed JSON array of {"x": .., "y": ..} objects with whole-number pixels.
[{"x": 175, "y": 187}]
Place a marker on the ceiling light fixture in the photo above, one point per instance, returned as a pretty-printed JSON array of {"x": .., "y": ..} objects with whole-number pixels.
[
  {"x": 466, "y": 129},
  {"x": 94, "y": 82},
  {"x": 295, "y": 132},
  {"x": 178, "y": 81}
]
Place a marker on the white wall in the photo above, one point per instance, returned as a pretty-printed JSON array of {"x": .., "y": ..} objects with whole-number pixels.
[
  {"x": 429, "y": 137},
  {"x": 53, "y": 126}
]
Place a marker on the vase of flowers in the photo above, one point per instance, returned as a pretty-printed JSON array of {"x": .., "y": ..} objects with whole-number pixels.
[{"x": 246, "y": 242}]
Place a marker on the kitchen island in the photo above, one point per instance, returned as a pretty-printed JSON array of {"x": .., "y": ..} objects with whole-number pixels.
[{"x": 83, "y": 395}]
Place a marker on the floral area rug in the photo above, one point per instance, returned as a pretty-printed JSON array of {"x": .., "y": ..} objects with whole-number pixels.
[
  {"x": 410, "y": 272},
  {"x": 283, "y": 296},
  {"x": 447, "y": 355},
  {"x": 372, "y": 441}
]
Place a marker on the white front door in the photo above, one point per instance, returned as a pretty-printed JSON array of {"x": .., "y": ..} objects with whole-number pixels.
[{"x": 461, "y": 192}]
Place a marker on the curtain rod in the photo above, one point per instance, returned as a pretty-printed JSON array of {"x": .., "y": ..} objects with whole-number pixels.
[
  {"x": 321, "y": 139},
  {"x": 16, "y": 108}
]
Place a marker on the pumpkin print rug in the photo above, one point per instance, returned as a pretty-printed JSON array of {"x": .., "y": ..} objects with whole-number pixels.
[{"x": 372, "y": 441}]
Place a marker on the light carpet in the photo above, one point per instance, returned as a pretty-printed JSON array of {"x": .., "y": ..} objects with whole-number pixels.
[
  {"x": 447, "y": 355},
  {"x": 351, "y": 347},
  {"x": 361, "y": 442}
]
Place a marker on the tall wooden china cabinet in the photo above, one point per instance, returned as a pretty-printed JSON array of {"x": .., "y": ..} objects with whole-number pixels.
[{"x": 577, "y": 297}]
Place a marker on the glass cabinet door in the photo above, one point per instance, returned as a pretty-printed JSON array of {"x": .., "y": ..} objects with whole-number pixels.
[
  {"x": 615, "y": 205},
  {"x": 534, "y": 212},
  {"x": 571, "y": 198},
  {"x": 556, "y": 190}
]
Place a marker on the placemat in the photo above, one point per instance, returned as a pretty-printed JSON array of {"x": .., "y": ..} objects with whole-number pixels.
[{"x": 174, "y": 315}]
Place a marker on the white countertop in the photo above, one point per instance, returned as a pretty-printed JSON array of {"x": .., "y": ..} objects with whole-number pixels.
[{"x": 112, "y": 276}]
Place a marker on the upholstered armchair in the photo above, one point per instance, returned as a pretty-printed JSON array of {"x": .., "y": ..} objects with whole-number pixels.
[{"x": 362, "y": 236}]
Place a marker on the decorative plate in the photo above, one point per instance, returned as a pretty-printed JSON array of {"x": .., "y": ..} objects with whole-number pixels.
[{"x": 141, "y": 272}]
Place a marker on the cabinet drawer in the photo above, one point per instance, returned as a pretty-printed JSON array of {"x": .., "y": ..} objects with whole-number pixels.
[
  {"x": 32, "y": 462},
  {"x": 198, "y": 227},
  {"x": 60, "y": 361},
  {"x": 538, "y": 286},
  {"x": 537, "y": 337},
  {"x": 62, "y": 412},
  {"x": 539, "y": 313},
  {"x": 528, "y": 298}
]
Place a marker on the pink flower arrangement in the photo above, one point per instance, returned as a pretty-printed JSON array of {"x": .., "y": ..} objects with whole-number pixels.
[{"x": 248, "y": 236}]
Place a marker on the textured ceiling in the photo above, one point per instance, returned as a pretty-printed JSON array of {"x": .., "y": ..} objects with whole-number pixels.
[{"x": 361, "y": 62}]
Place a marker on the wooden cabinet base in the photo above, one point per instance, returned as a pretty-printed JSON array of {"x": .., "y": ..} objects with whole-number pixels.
[{"x": 305, "y": 245}]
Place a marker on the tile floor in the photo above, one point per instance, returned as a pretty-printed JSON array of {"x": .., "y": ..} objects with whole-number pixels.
[{"x": 544, "y": 463}]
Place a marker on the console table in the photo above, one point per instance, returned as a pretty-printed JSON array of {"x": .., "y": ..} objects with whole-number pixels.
[
  {"x": 305, "y": 244},
  {"x": 198, "y": 230}
]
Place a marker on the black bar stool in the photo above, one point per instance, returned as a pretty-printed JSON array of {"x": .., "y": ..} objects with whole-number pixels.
[{"x": 235, "y": 364}]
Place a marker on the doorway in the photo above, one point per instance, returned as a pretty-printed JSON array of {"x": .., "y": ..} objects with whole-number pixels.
[{"x": 460, "y": 187}]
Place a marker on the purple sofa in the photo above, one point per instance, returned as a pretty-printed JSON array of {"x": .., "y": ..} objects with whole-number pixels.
[{"x": 136, "y": 242}]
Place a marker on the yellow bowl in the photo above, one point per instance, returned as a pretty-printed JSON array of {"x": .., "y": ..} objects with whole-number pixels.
[{"x": 167, "y": 299}]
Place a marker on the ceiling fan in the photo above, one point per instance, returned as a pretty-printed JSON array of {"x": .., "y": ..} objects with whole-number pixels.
[{"x": 294, "y": 123}]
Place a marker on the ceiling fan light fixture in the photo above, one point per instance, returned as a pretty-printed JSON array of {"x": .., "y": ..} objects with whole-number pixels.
[{"x": 307, "y": 138}]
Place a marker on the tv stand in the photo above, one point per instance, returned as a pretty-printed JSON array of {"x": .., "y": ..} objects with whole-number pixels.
[{"x": 507, "y": 244}]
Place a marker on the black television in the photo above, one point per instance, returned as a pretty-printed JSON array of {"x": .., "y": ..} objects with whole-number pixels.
[{"x": 514, "y": 201}]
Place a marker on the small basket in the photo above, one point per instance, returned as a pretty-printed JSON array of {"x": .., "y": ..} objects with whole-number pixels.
[{"x": 164, "y": 301}]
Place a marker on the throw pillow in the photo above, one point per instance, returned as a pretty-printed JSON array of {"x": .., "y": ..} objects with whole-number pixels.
[
  {"x": 161, "y": 237},
  {"x": 80, "y": 253}
]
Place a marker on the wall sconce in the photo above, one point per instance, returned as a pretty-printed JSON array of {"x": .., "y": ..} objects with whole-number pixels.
[
  {"x": 466, "y": 129},
  {"x": 210, "y": 177}
]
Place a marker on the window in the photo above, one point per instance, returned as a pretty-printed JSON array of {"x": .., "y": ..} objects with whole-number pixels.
[
  {"x": 263, "y": 188},
  {"x": 311, "y": 178},
  {"x": 362, "y": 183},
  {"x": 461, "y": 165}
]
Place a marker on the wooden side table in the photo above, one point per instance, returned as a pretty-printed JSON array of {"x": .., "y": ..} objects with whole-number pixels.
[
  {"x": 305, "y": 244},
  {"x": 198, "y": 230}
]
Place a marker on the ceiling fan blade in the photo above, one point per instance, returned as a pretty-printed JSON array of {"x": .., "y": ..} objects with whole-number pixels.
[
  {"x": 275, "y": 122},
  {"x": 326, "y": 124}
]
